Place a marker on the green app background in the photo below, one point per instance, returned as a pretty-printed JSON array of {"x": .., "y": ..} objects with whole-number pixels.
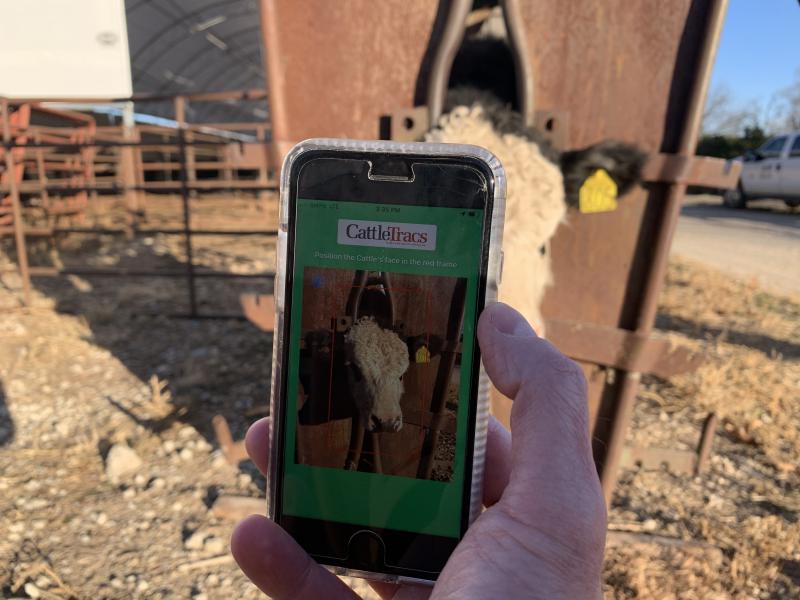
[{"x": 393, "y": 502}]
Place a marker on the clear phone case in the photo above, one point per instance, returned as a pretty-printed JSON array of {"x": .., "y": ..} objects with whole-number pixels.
[{"x": 494, "y": 267}]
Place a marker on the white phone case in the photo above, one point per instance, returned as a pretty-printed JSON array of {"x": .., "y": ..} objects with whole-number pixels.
[{"x": 492, "y": 281}]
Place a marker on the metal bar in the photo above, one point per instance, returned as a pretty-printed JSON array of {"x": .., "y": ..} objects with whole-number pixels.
[
  {"x": 621, "y": 348},
  {"x": 655, "y": 275},
  {"x": 187, "y": 227},
  {"x": 41, "y": 176},
  {"x": 236, "y": 126},
  {"x": 440, "y": 386},
  {"x": 52, "y": 230},
  {"x": 97, "y": 272},
  {"x": 202, "y": 165},
  {"x": 254, "y": 94},
  {"x": 357, "y": 434},
  {"x": 116, "y": 144},
  {"x": 106, "y": 231},
  {"x": 16, "y": 207},
  {"x": 210, "y": 186},
  {"x": 445, "y": 54},
  {"x": 158, "y": 186},
  {"x": 69, "y": 115},
  {"x": 375, "y": 440},
  {"x": 518, "y": 40},
  {"x": 693, "y": 170},
  {"x": 706, "y": 443},
  {"x": 278, "y": 113}
]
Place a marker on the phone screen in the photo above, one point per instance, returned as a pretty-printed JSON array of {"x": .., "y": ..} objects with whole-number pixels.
[{"x": 382, "y": 365}]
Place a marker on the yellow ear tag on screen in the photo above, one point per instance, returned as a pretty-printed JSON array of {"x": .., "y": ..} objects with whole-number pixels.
[
  {"x": 598, "y": 193},
  {"x": 423, "y": 355}
]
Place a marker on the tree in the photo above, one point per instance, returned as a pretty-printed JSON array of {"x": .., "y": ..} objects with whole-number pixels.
[
  {"x": 722, "y": 117},
  {"x": 722, "y": 146},
  {"x": 788, "y": 101}
]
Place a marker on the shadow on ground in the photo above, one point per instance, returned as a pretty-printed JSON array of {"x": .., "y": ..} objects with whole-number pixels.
[
  {"x": 6, "y": 422},
  {"x": 776, "y": 214},
  {"x": 212, "y": 365},
  {"x": 701, "y": 331}
]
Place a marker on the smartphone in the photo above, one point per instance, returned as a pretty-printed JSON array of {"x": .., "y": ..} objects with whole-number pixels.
[{"x": 387, "y": 253}]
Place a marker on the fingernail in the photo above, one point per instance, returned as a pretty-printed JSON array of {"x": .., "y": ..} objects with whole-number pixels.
[{"x": 508, "y": 321}]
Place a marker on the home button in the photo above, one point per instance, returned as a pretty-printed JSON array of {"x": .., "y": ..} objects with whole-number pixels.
[{"x": 366, "y": 550}]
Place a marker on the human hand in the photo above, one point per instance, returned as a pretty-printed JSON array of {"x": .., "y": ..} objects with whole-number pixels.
[{"x": 543, "y": 532}]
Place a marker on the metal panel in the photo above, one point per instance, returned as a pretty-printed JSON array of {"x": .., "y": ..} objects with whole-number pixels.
[
  {"x": 334, "y": 69},
  {"x": 611, "y": 64},
  {"x": 630, "y": 71}
]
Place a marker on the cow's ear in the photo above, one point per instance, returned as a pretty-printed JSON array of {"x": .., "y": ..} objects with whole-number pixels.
[{"x": 623, "y": 162}]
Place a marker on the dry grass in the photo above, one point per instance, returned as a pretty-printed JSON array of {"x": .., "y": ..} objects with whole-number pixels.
[
  {"x": 751, "y": 377},
  {"x": 747, "y": 505}
]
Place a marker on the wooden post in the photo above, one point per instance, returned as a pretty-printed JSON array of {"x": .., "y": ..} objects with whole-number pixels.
[
  {"x": 128, "y": 169},
  {"x": 188, "y": 138}
]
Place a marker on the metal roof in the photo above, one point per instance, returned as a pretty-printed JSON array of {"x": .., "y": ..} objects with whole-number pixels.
[{"x": 191, "y": 46}]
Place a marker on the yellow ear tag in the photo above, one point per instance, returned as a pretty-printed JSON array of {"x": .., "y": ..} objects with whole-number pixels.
[
  {"x": 598, "y": 193},
  {"x": 422, "y": 355}
]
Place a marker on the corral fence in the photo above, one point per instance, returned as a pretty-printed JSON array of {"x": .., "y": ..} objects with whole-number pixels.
[{"x": 61, "y": 167}]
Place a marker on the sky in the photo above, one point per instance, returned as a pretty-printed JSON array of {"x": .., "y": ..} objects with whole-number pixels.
[{"x": 759, "y": 52}]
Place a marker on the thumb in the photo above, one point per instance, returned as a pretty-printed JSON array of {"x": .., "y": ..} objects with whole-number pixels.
[{"x": 551, "y": 447}]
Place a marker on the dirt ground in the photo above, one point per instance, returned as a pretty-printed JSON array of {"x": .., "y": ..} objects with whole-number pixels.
[
  {"x": 742, "y": 515},
  {"x": 75, "y": 383},
  {"x": 753, "y": 243}
]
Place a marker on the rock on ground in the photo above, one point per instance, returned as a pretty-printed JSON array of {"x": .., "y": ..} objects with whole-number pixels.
[{"x": 121, "y": 461}]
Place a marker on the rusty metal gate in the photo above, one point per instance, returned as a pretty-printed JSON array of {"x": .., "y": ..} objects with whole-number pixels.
[
  {"x": 585, "y": 71},
  {"x": 57, "y": 167}
]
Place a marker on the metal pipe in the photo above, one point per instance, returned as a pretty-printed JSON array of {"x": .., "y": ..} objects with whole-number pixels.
[
  {"x": 706, "y": 441},
  {"x": 447, "y": 361},
  {"x": 254, "y": 94},
  {"x": 187, "y": 230},
  {"x": 655, "y": 275},
  {"x": 16, "y": 207},
  {"x": 445, "y": 54},
  {"x": 95, "y": 272},
  {"x": 101, "y": 231},
  {"x": 156, "y": 186},
  {"x": 116, "y": 143},
  {"x": 275, "y": 100},
  {"x": 522, "y": 68}
]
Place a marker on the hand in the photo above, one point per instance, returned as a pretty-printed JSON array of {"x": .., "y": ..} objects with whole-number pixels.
[{"x": 543, "y": 532}]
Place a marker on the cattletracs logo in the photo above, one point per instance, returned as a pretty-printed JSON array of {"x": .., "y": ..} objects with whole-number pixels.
[{"x": 413, "y": 236}]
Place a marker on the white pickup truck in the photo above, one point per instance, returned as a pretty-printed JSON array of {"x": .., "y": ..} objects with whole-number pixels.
[{"x": 771, "y": 171}]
